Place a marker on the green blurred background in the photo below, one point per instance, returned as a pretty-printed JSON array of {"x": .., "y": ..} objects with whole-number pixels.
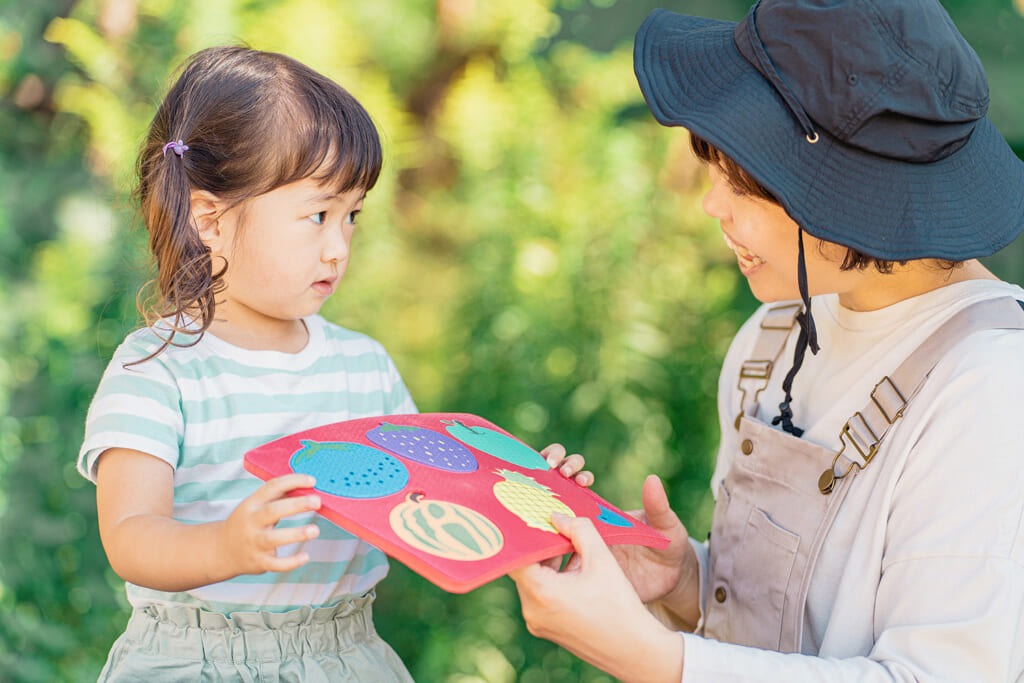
[{"x": 534, "y": 253}]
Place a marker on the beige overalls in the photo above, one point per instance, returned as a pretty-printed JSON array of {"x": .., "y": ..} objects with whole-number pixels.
[{"x": 779, "y": 499}]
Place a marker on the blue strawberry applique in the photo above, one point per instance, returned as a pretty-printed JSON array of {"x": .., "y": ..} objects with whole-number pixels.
[
  {"x": 611, "y": 517},
  {"x": 350, "y": 470}
]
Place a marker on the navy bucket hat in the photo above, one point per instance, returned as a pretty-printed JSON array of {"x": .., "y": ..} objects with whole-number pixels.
[{"x": 866, "y": 120}]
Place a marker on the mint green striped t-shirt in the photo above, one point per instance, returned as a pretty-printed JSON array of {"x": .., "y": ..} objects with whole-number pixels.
[{"x": 201, "y": 407}]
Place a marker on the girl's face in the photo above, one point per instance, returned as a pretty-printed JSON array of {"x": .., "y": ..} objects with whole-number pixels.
[
  {"x": 286, "y": 253},
  {"x": 765, "y": 241}
]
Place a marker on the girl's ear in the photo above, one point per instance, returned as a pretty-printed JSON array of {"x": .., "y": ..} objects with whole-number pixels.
[{"x": 207, "y": 215}]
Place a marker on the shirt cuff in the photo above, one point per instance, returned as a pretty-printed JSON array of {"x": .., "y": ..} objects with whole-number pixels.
[{"x": 701, "y": 550}]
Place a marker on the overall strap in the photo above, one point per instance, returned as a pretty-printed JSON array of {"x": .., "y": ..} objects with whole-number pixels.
[
  {"x": 863, "y": 432},
  {"x": 776, "y": 326}
]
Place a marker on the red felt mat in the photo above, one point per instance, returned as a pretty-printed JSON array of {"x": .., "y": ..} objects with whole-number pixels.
[{"x": 450, "y": 495}]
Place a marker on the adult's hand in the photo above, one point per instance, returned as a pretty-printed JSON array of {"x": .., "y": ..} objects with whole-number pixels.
[
  {"x": 671, "y": 574},
  {"x": 591, "y": 609}
]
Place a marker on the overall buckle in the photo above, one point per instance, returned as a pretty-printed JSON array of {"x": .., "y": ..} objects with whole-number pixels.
[
  {"x": 752, "y": 369},
  {"x": 891, "y": 403}
]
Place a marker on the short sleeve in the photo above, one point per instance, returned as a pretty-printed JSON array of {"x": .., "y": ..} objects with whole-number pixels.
[{"x": 136, "y": 406}]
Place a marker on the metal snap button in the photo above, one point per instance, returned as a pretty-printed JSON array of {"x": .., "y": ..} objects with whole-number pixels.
[
  {"x": 720, "y": 594},
  {"x": 747, "y": 447}
]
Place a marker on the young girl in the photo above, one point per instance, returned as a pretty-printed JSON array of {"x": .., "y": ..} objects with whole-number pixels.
[
  {"x": 250, "y": 181},
  {"x": 869, "y": 490}
]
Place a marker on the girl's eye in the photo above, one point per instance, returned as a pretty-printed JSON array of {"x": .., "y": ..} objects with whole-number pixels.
[
  {"x": 319, "y": 217},
  {"x": 351, "y": 218}
]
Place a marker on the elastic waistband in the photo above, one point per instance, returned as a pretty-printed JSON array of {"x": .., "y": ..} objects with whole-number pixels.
[{"x": 252, "y": 636}]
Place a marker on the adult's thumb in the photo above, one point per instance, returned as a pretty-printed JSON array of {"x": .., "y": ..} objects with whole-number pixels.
[
  {"x": 580, "y": 531},
  {"x": 656, "y": 506}
]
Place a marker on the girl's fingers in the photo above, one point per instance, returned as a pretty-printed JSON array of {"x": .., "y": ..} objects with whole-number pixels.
[
  {"x": 271, "y": 502},
  {"x": 571, "y": 465},
  {"x": 288, "y": 535},
  {"x": 279, "y": 486},
  {"x": 286, "y": 564},
  {"x": 289, "y": 505},
  {"x": 268, "y": 514},
  {"x": 554, "y": 454},
  {"x": 584, "y": 478}
]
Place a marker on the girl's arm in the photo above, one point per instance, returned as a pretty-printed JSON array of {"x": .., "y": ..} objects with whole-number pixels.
[{"x": 148, "y": 547}]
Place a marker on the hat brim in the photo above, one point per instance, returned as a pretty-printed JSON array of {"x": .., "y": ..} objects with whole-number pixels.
[{"x": 967, "y": 205}]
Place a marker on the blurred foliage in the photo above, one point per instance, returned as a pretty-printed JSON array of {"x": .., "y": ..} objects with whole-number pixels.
[{"x": 535, "y": 253}]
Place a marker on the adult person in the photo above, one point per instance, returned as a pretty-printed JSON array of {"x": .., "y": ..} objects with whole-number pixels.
[{"x": 868, "y": 517}]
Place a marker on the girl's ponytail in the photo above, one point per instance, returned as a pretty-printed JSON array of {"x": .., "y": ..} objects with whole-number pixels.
[{"x": 186, "y": 283}]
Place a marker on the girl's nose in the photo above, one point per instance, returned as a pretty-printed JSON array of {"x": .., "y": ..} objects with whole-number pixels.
[{"x": 337, "y": 246}]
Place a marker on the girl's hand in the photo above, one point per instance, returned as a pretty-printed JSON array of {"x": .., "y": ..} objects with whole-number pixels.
[
  {"x": 570, "y": 466},
  {"x": 249, "y": 536},
  {"x": 590, "y": 609},
  {"x": 147, "y": 546}
]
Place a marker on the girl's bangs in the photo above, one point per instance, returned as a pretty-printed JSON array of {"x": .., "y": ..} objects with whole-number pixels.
[{"x": 336, "y": 143}]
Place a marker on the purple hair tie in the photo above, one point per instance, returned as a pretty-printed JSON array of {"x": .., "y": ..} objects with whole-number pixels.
[{"x": 178, "y": 147}]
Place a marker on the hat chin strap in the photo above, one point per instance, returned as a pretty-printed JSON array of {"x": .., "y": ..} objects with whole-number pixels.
[{"x": 808, "y": 337}]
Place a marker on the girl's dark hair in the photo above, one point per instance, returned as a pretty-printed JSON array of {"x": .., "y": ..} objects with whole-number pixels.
[
  {"x": 744, "y": 183},
  {"x": 253, "y": 121}
]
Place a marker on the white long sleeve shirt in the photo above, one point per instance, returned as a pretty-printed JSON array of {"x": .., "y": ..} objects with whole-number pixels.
[{"x": 922, "y": 576}]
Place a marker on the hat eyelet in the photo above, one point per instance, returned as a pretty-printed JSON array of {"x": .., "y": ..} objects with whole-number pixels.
[
  {"x": 812, "y": 138},
  {"x": 852, "y": 79}
]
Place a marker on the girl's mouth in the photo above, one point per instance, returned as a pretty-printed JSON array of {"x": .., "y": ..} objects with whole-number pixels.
[
  {"x": 325, "y": 287},
  {"x": 747, "y": 259}
]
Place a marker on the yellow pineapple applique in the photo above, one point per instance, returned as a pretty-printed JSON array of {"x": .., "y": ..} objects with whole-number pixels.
[{"x": 529, "y": 500}]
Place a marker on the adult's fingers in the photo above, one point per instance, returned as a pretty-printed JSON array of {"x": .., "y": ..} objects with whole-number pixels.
[
  {"x": 581, "y": 533},
  {"x": 637, "y": 514},
  {"x": 573, "y": 564},
  {"x": 553, "y": 563},
  {"x": 528, "y": 574},
  {"x": 657, "y": 511}
]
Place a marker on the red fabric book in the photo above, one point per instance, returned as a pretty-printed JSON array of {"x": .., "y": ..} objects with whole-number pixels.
[{"x": 452, "y": 496}]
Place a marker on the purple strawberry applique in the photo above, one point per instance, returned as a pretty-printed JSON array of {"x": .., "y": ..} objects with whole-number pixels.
[{"x": 424, "y": 446}]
